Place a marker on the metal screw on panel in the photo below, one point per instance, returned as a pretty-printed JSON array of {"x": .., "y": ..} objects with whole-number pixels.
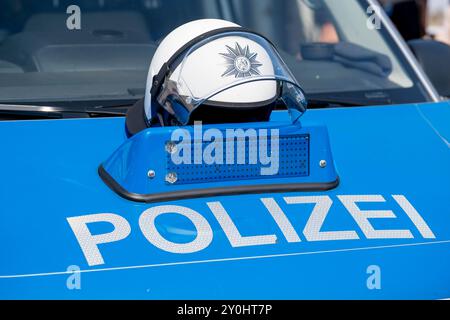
[
  {"x": 171, "y": 147},
  {"x": 322, "y": 163},
  {"x": 171, "y": 177},
  {"x": 151, "y": 174}
]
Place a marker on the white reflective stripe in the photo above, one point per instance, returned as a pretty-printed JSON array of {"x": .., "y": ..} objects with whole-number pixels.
[
  {"x": 245, "y": 258},
  {"x": 362, "y": 217},
  {"x": 282, "y": 221},
  {"x": 233, "y": 234},
  {"x": 415, "y": 217},
  {"x": 313, "y": 226},
  {"x": 89, "y": 242},
  {"x": 149, "y": 230}
]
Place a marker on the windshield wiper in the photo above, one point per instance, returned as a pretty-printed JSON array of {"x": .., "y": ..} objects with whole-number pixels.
[
  {"x": 56, "y": 112},
  {"x": 317, "y": 103}
]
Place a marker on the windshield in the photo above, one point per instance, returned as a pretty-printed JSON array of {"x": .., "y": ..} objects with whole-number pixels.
[{"x": 66, "y": 52}]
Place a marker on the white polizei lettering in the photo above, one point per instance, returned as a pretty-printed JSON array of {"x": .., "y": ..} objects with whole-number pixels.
[
  {"x": 281, "y": 220},
  {"x": 362, "y": 217},
  {"x": 149, "y": 230},
  {"x": 231, "y": 231},
  {"x": 415, "y": 217},
  {"x": 89, "y": 243},
  {"x": 312, "y": 230}
]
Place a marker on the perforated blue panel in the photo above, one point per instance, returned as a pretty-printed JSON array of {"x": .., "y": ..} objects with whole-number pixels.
[{"x": 245, "y": 163}]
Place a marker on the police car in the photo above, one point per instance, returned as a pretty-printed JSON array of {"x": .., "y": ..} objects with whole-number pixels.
[{"x": 221, "y": 150}]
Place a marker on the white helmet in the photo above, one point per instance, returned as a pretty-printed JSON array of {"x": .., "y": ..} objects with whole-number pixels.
[{"x": 215, "y": 71}]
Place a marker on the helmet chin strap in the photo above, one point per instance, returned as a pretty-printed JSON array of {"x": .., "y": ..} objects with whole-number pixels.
[{"x": 169, "y": 102}]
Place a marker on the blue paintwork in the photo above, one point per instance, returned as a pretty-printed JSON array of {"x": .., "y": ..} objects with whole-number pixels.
[{"x": 49, "y": 173}]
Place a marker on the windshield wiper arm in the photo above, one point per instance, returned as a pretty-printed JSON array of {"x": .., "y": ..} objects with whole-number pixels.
[
  {"x": 55, "y": 112},
  {"x": 326, "y": 103},
  {"x": 317, "y": 103}
]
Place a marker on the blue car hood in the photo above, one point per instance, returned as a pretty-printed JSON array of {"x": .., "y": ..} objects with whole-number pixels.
[{"x": 393, "y": 159}]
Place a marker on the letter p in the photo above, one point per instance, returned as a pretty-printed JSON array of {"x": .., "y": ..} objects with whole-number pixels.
[{"x": 89, "y": 242}]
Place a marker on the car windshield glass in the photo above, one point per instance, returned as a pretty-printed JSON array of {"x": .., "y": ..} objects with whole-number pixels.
[{"x": 67, "y": 52}]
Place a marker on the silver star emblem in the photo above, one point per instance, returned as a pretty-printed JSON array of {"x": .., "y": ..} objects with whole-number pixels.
[{"x": 240, "y": 62}]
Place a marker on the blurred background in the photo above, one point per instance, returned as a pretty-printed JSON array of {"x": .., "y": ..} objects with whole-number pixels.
[
  {"x": 420, "y": 18},
  {"x": 45, "y": 57}
]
